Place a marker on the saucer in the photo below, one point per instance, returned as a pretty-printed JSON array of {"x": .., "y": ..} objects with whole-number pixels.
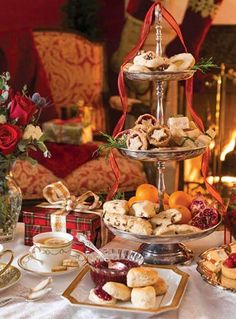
[
  {"x": 9, "y": 278},
  {"x": 32, "y": 266}
]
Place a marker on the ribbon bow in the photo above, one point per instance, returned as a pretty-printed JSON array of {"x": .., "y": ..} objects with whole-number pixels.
[{"x": 58, "y": 196}]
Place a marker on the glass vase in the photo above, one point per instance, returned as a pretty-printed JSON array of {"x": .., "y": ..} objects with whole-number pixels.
[{"x": 10, "y": 205}]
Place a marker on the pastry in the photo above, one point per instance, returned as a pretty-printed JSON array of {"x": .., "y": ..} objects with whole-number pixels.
[
  {"x": 149, "y": 59},
  {"x": 144, "y": 298},
  {"x": 160, "y": 287},
  {"x": 228, "y": 267},
  {"x": 205, "y": 139},
  {"x": 181, "y": 122},
  {"x": 228, "y": 283},
  {"x": 166, "y": 218},
  {"x": 183, "y": 61},
  {"x": 159, "y": 135},
  {"x": 137, "y": 140},
  {"x": 119, "y": 206},
  {"x": 117, "y": 290},
  {"x": 58, "y": 268},
  {"x": 175, "y": 230},
  {"x": 171, "y": 67},
  {"x": 138, "y": 68},
  {"x": 144, "y": 209},
  {"x": 141, "y": 277},
  {"x": 192, "y": 133},
  {"x": 70, "y": 263},
  {"x": 139, "y": 226},
  {"x": 141, "y": 127},
  {"x": 146, "y": 119},
  {"x": 101, "y": 297},
  {"x": 116, "y": 220},
  {"x": 131, "y": 224}
]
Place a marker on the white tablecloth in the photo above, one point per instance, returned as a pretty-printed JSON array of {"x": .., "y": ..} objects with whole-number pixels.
[{"x": 201, "y": 301}]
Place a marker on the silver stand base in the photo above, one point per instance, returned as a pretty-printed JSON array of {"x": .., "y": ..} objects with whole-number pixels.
[{"x": 166, "y": 254}]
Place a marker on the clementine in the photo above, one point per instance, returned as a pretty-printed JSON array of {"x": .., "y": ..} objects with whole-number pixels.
[
  {"x": 147, "y": 192},
  {"x": 180, "y": 198},
  {"x": 132, "y": 200},
  {"x": 186, "y": 214}
]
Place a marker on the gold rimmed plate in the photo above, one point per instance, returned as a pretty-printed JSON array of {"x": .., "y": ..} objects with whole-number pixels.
[
  {"x": 78, "y": 291},
  {"x": 32, "y": 266},
  {"x": 9, "y": 278}
]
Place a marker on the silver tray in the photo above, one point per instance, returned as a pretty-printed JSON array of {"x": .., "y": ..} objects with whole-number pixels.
[
  {"x": 215, "y": 279},
  {"x": 160, "y": 75},
  {"x": 164, "y": 153},
  {"x": 165, "y": 239}
]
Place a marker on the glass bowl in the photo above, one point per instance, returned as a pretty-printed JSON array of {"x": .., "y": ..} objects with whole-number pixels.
[{"x": 99, "y": 271}]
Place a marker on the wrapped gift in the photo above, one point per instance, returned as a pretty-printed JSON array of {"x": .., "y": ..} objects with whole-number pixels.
[
  {"x": 70, "y": 131},
  {"x": 38, "y": 220}
]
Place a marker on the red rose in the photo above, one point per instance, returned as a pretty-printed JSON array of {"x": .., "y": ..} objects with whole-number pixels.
[
  {"x": 9, "y": 137},
  {"x": 22, "y": 108}
]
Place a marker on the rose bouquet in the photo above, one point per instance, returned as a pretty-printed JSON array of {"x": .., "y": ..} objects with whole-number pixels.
[{"x": 19, "y": 133}]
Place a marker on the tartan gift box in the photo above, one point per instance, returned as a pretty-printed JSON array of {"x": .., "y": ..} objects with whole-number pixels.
[
  {"x": 37, "y": 220},
  {"x": 67, "y": 131}
]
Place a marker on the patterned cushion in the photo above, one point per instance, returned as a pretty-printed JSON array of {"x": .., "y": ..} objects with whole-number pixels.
[
  {"x": 95, "y": 175},
  {"x": 75, "y": 70}
]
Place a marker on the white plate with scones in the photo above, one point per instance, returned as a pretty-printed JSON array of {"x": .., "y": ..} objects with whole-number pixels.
[
  {"x": 152, "y": 289},
  {"x": 217, "y": 266}
]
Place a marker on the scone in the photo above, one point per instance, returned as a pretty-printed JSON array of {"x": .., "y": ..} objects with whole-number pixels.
[
  {"x": 228, "y": 267},
  {"x": 144, "y": 209},
  {"x": 116, "y": 220},
  {"x": 169, "y": 216},
  {"x": 117, "y": 290},
  {"x": 99, "y": 296},
  {"x": 139, "y": 226},
  {"x": 175, "y": 230},
  {"x": 144, "y": 297},
  {"x": 141, "y": 277},
  {"x": 119, "y": 206},
  {"x": 160, "y": 287}
]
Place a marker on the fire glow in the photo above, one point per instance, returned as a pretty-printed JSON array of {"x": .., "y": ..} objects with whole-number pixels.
[{"x": 229, "y": 147}]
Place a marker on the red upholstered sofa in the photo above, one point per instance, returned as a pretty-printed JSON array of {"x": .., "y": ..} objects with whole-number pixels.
[{"x": 74, "y": 68}]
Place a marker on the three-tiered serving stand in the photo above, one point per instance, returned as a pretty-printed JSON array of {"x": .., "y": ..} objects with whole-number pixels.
[{"x": 162, "y": 249}]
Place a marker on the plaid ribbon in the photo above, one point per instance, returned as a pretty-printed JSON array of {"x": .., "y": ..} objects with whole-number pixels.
[{"x": 58, "y": 196}]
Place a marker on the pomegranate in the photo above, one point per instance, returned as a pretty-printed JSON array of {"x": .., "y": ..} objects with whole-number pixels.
[
  {"x": 198, "y": 205},
  {"x": 205, "y": 219}
]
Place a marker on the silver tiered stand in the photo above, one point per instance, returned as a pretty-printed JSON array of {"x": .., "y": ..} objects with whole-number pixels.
[{"x": 162, "y": 249}]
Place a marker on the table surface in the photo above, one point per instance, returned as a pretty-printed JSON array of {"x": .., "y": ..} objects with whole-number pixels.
[{"x": 201, "y": 301}]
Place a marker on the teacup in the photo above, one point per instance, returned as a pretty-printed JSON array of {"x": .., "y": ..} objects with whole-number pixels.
[
  {"x": 50, "y": 249},
  {"x": 2, "y": 253}
]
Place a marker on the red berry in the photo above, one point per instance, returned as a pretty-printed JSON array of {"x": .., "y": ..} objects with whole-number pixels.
[{"x": 229, "y": 263}]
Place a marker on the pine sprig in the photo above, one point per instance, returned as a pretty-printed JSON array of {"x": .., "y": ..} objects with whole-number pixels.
[
  {"x": 111, "y": 143},
  {"x": 204, "y": 65}
]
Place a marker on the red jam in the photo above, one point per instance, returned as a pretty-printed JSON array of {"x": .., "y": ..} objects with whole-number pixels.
[
  {"x": 230, "y": 262},
  {"x": 102, "y": 294},
  {"x": 101, "y": 274}
]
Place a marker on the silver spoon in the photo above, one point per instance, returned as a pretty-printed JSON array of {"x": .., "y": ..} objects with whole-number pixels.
[{"x": 111, "y": 264}]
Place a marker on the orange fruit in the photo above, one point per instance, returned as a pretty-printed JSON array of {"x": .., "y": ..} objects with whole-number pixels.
[
  {"x": 132, "y": 200},
  {"x": 147, "y": 192},
  {"x": 180, "y": 198},
  {"x": 186, "y": 214}
]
